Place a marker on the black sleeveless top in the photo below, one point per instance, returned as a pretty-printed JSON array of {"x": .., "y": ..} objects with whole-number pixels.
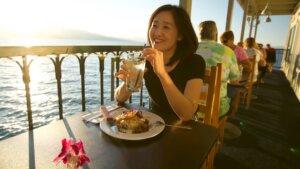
[{"x": 192, "y": 67}]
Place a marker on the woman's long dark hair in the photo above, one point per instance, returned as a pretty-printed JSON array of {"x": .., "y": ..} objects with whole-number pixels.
[{"x": 189, "y": 42}]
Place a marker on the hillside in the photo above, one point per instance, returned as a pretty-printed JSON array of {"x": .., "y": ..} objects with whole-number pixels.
[{"x": 58, "y": 34}]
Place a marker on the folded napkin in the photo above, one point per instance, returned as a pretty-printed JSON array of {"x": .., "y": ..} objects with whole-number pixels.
[{"x": 93, "y": 117}]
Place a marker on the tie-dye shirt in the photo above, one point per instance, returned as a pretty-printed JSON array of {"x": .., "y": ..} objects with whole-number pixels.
[{"x": 214, "y": 53}]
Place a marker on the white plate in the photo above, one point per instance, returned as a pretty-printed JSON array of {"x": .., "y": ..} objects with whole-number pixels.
[{"x": 154, "y": 130}]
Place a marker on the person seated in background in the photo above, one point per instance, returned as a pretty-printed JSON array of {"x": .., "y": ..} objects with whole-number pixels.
[
  {"x": 251, "y": 49},
  {"x": 262, "y": 65},
  {"x": 271, "y": 56},
  {"x": 214, "y": 53},
  {"x": 227, "y": 38},
  {"x": 174, "y": 73},
  {"x": 240, "y": 44}
]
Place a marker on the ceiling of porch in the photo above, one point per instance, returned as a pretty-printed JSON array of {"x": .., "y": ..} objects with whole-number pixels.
[{"x": 276, "y": 7}]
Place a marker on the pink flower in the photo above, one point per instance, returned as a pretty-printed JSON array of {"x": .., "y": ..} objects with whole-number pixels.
[{"x": 72, "y": 154}]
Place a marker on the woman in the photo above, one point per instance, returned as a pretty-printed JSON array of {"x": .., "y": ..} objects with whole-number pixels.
[
  {"x": 174, "y": 73},
  {"x": 262, "y": 65},
  {"x": 227, "y": 39},
  {"x": 251, "y": 50}
]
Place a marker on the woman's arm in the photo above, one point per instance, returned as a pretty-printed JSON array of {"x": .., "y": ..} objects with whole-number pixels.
[
  {"x": 121, "y": 94},
  {"x": 184, "y": 105}
]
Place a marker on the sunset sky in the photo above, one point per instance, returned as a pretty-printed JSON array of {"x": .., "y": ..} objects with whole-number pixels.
[{"x": 126, "y": 19}]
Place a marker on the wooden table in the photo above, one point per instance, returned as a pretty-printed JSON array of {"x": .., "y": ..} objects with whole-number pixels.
[{"x": 171, "y": 149}]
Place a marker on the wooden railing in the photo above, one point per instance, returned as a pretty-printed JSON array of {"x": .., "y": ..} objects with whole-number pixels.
[
  {"x": 280, "y": 54},
  {"x": 57, "y": 54}
]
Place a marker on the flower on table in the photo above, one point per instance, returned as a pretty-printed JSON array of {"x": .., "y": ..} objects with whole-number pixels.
[{"x": 72, "y": 154}]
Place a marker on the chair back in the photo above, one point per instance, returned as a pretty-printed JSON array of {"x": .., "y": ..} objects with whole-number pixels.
[
  {"x": 211, "y": 107},
  {"x": 249, "y": 85}
]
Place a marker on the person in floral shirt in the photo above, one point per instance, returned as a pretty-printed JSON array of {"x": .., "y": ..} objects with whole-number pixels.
[{"x": 214, "y": 53}]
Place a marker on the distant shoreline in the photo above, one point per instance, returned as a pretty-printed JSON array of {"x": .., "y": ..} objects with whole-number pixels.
[{"x": 65, "y": 42}]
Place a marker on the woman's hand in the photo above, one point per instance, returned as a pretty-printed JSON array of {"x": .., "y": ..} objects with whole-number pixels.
[
  {"x": 122, "y": 73},
  {"x": 156, "y": 58}
]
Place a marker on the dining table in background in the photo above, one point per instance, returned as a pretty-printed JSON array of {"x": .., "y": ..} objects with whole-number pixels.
[{"x": 174, "y": 148}]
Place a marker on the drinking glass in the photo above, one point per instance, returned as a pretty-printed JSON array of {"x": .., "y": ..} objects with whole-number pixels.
[{"x": 135, "y": 67}]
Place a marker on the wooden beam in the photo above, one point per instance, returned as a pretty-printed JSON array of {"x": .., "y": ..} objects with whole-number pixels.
[{"x": 187, "y": 5}]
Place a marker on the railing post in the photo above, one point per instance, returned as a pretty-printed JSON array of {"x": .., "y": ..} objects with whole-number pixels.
[
  {"x": 141, "y": 97},
  {"x": 101, "y": 58},
  {"x": 58, "y": 78},
  {"x": 112, "y": 78},
  {"x": 26, "y": 80},
  {"x": 81, "y": 60},
  {"x": 117, "y": 68},
  {"x": 130, "y": 98},
  {"x": 57, "y": 65}
]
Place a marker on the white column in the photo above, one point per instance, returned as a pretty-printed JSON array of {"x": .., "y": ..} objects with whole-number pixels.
[
  {"x": 256, "y": 25},
  {"x": 251, "y": 26},
  {"x": 187, "y": 5},
  {"x": 229, "y": 14},
  {"x": 246, "y": 3}
]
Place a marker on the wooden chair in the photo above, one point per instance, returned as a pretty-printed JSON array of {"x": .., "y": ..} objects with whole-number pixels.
[
  {"x": 246, "y": 91},
  {"x": 211, "y": 108},
  {"x": 210, "y": 97}
]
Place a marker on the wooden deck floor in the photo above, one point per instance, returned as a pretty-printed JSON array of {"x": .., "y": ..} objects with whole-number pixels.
[{"x": 270, "y": 129}]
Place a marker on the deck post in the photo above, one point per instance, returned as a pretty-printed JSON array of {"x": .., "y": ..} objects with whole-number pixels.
[
  {"x": 251, "y": 26},
  {"x": 187, "y": 5},
  {"x": 256, "y": 25},
  {"x": 244, "y": 20},
  {"x": 229, "y": 14}
]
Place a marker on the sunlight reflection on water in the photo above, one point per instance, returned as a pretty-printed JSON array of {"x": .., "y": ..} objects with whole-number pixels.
[{"x": 43, "y": 89}]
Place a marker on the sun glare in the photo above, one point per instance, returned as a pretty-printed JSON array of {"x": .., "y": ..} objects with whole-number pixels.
[
  {"x": 27, "y": 30},
  {"x": 23, "y": 19},
  {"x": 27, "y": 42},
  {"x": 30, "y": 16}
]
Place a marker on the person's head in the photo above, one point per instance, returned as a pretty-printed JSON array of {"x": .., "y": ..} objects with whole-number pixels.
[
  {"x": 208, "y": 30},
  {"x": 241, "y": 44},
  {"x": 250, "y": 43},
  {"x": 260, "y": 46},
  {"x": 170, "y": 30},
  {"x": 227, "y": 38},
  {"x": 268, "y": 45}
]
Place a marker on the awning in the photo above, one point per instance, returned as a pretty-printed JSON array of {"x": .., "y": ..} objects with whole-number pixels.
[{"x": 276, "y": 7}]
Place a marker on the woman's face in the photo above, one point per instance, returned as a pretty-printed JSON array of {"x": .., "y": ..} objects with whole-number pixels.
[{"x": 163, "y": 32}]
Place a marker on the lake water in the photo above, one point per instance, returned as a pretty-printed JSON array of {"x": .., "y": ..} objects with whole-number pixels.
[{"x": 43, "y": 88}]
